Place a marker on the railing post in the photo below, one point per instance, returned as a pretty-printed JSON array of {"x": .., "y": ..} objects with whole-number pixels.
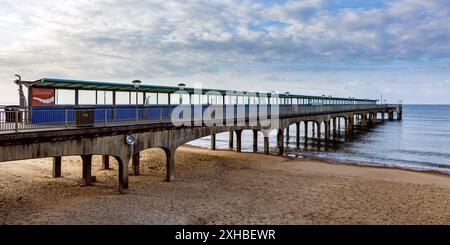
[
  {"x": 66, "y": 118},
  {"x": 16, "y": 120},
  {"x": 106, "y": 118}
]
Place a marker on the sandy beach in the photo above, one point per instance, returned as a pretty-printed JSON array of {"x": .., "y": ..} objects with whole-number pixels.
[{"x": 223, "y": 187}]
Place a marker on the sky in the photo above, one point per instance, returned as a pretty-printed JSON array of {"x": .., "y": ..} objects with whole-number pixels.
[{"x": 398, "y": 48}]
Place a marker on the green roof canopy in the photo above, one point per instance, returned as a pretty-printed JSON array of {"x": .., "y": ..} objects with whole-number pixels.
[{"x": 109, "y": 86}]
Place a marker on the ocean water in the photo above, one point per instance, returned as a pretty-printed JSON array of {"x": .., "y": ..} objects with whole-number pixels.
[{"x": 421, "y": 141}]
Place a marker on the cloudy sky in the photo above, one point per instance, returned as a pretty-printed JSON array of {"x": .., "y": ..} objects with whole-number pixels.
[{"x": 362, "y": 48}]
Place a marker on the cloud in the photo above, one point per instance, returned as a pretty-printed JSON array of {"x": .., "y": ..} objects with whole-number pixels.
[{"x": 111, "y": 39}]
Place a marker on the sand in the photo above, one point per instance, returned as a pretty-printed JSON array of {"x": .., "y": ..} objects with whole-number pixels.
[{"x": 223, "y": 187}]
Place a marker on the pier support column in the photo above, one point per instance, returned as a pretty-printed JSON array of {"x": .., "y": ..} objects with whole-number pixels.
[
  {"x": 123, "y": 174},
  {"x": 86, "y": 170},
  {"x": 105, "y": 162},
  {"x": 314, "y": 125},
  {"x": 213, "y": 140},
  {"x": 350, "y": 123},
  {"x": 238, "y": 140},
  {"x": 327, "y": 131},
  {"x": 334, "y": 127},
  {"x": 391, "y": 115},
  {"x": 170, "y": 164},
  {"x": 306, "y": 131},
  {"x": 364, "y": 122},
  {"x": 339, "y": 126},
  {"x": 57, "y": 167},
  {"x": 400, "y": 114},
  {"x": 255, "y": 141},
  {"x": 135, "y": 162},
  {"x": 280, "y": 142},
  {"x": 319, "y": 124},
  {"x": 297, "y": 134},
  {"x": 382, "y": 117},
  {"x": 266, "y": 145},
  {"x": 287, "y": 134},
  {"x": 231, "y": 139}
]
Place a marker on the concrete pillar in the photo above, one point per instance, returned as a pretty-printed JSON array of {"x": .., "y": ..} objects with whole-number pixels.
[
  {"x": 280, "y": 142},
  {"x": 364, "y": 122},
  {"x": 391, "y": 115},
  {"x": 231, "y": 139},
  {"x": 86, "y": 170},
  {"x": 56, "y": 167},
  {"x": 334, "y": 127},
  {"x": 319, "y": 124},
  {"x": 400, "y": 114},
  {"x": 213, "y": 140},
  {"x": 327, "y": 130},
  {"x": 238, "y": 140},
  {"x": 170, "y": 164},
  {"x": 287, "y": 134},
  {"x": 382, "y": 117},
  {"x": 314, "y": 125},
  {"x": 339, "y": 125},
  {"x": 123, "y": 174},
  {"x": 105, "y": 162},
  {"x": 255, "y": 140},
  {"x": 135, "y": 162},
  {"x": 266, "y": 145},
  {"x": 306, "y": 131},
  {"x": 297, "y": 134}
]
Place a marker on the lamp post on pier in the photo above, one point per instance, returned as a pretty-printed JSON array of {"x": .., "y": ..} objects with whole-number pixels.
[{"x": 137, "y": 84}]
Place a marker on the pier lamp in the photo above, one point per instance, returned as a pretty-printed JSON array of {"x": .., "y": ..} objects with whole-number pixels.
[
  {"x": 130, "y": 139},
  {"x": 181, "y": 86},
  {"x": 286, "y": 98},
  {"x": 137, "y": 84}
]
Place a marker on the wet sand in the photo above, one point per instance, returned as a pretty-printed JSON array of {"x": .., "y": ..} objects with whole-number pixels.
[{"x": 223, "y": 187}]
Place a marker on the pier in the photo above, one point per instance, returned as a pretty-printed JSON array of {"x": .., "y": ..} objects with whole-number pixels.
[{"x": 43, "y": 128}]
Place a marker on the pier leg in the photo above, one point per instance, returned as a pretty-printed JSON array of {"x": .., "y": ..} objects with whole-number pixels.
[
  {"x": 297, "y": 132},
  {"x": 339, "y": 126},
  {"x": 334, "y": 127},
  {"x": 105, "y": 162},
  {"x": 306, "y": 131},
  {"x": 314, "y": 125},
  {"x": 318, "y": 132},
  {"x": 266, "y": 145},
  {"x": 135, "y": 164},
  {"x": 280, "y": 142},
  {"x": 170, "y": 164},
  {"x": 327, "y": 130},
  {"x": 86, "y": 170},
  {"x": 238, "y": 140},
  {"x": 287, "y": 134},
  {"x": 255, "y": 140},
  {"x": 364, "y": 122},
  {"x": 231, "y": 139},
  {"x": 213, "y": 140},
  {"x": 382, "y": 117},
  {"x": 123, "y": 174},
  {"x": 57, "y": 167},
  {"x": 391, "y": 115}
]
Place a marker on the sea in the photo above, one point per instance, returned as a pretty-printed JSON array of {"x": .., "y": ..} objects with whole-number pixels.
[{"x": 421, "y": 141}]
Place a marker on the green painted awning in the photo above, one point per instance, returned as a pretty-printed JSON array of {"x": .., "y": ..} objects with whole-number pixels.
[{"x": 109, "y": 86}]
